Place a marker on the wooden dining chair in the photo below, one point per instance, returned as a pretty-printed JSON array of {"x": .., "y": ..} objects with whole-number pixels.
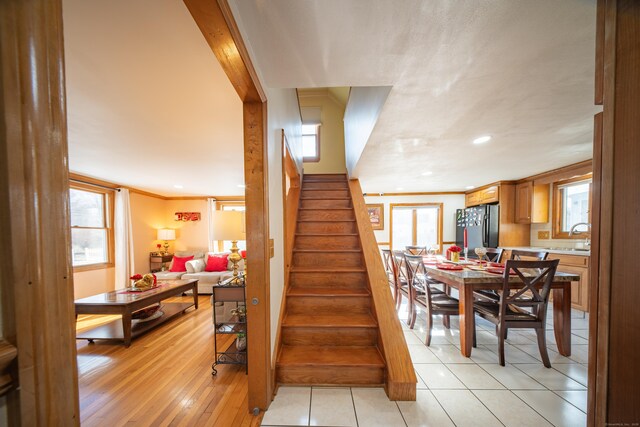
[
  {"x": 421, "y": 293},
  {"x": 523, "y": 306},
  {"x": 389, "y": 270},
  {"x": 494, "y": 254},
  {"x": 401, "y": 282},
  {"x": 517, "y": 255},
  {"x": 416, "y": 250}
]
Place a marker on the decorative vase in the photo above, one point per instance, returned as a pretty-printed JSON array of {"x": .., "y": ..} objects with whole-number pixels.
[
  {"x": 455, "y": 256},
  {"x": 241, "y": 343}
]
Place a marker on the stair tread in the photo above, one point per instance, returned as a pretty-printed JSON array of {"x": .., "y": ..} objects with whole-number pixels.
[
  {"x": 326, "y": 234},
  {"x": 326, "y": 220},
  {"x": 330, "y": 251},
  {"x": 328, "y": 269},
  {"x": 330, "y": 320},
  {"x": 299, "y": 291},
  {"x": 368, "y": 356}
]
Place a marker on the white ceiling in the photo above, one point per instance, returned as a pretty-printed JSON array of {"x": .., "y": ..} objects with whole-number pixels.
[
  {"x": 521, "y": 71},
  {"x": 148, "y": 104}
]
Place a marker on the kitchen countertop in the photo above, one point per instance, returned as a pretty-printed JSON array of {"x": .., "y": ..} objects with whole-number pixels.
[{"x": 554, "y": 250}]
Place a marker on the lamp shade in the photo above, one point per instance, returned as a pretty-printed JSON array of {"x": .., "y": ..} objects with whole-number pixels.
[
  {"x": 228, "y": 225},
  {"x": 166, "y": 234}
]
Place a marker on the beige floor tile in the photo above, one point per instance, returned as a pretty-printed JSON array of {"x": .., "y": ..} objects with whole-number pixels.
[
  {"x": 421, "y": 354},
  {"x": 554, "y": 408},
  {"x": 332, "y": 407},
  {"x": 577, "y": 398},
  {"x": 575, "y": 371},
  {"x": 425, "y": 411},
  {"x": 411, "y": 338},
  {"x": 513, "y": 354},
  {"x": 374, "y": 409},
  {"x": 549, "y": 377},
  {"x": 290, "y": 407},
  {"x": 449, "y": 353},
  {"x": 509, "y": 409},
  {"x": 421, "y": 385},
  {"x": 554, "y": 357},
  {"x": 438, "y": 376},
  {"x": 465, "y": 409},
  {"x": 512, "y": 377},
  {"x": 474, "y": 377}
]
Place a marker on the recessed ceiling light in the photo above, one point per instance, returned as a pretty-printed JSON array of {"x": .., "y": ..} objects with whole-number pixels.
[
  {"x": 241, "y": 185},
  {"x": 400, "y": 188},
  {"x": 427, "y": 173},
  {"x": 482, "y": 139},
  {"x": 178, "y": 186},
  {"x": 470, "y": 187}
]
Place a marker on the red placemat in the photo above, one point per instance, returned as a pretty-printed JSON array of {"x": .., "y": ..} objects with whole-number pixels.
[{"x": 452, "y": 267}]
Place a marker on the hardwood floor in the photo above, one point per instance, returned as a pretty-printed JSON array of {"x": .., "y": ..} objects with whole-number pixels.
[{"x": 163, "y": 379}]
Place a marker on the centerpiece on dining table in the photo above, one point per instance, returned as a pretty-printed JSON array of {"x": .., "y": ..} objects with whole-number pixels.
[{"x": 453, "y": 253}]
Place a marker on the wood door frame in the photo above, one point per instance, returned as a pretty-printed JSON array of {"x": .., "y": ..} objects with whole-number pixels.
[
  {"x": 417, "y": 205},
  {"x": 216, "y": 22}
]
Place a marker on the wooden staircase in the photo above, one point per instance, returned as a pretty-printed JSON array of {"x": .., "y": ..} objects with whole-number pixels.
[{"x": 329, "y": 332}]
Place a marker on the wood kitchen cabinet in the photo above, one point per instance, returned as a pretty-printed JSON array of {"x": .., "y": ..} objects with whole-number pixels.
[
  {"x": 486, "y": 195},
  {"x": 532, "y": 203}
]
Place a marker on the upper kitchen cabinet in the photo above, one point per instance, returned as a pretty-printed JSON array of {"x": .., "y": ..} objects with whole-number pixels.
[
  {"x": 532, "y": 203},
  {"x": 486, "y": 195}
]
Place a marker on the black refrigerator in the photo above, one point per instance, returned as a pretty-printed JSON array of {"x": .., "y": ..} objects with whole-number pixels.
[{"x": 482, "y": 223}]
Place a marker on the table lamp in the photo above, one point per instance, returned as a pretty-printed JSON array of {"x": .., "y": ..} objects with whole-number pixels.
[
  {"x": 166, "y": 234},
  {"x": 229, "y": 225}
]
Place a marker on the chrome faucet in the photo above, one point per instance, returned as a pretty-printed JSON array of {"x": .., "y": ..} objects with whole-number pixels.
[{"x": 587, "y": 241}]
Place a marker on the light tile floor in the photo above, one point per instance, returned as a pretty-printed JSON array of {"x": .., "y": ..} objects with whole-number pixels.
[{"x": 458, "y": 391}]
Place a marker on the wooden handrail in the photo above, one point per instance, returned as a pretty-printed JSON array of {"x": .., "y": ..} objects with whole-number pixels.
[
  {"x": 7, "y": 355},
  {"x": 401, "y": 377}
]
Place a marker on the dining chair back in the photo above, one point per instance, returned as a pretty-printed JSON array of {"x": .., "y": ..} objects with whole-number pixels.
[
  {"x": 400, "y": 278},
  {"x": 416, "y": 250},
  {"x": 494, "y": 254},
  {"x": 389, "y": 269},
  {"x": 517, "y": 254},
  {"x": 523, "y": 305},
  {"x": 421, "y": 293}
]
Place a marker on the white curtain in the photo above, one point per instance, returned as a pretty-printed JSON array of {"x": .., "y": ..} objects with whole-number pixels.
[
  {"x": 211, "y": 206},
  {"x": 123, "y": 239}
]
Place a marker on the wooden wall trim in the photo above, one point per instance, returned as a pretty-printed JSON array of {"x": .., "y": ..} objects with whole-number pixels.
[
  {"x": 401, "y": 377},
  {"x": 35, "y": 258},
  {"x": 424, "y": 193},
  {"x": 560, "y": 174},
  {"x": 216, "y": 22}
]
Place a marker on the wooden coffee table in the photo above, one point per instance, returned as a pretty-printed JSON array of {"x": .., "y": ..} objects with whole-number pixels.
[{"x": 122, "y": 303}]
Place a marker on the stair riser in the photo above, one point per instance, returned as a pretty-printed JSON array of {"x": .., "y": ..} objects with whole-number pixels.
[
  {"x": 347, "y": 227},
  {"x": 325, "y": 375},
  {"x": 328, "y": 305},
  {"x": 327, "y": 259},
  {"x": 329, "y": 280},
  {"x": 325, "y": 177},
  {"x": 329, "y": 336},
  {"x": 325, "y": 204},
  {"x": 328, "y": 185},
  {"x": 324, "y": 194},
  {"x": 326, "y": 215},
  {"x": 329, "y": 242}
]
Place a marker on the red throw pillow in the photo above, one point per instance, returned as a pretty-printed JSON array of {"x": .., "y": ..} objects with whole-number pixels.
[
  {"x": 179, "y": 264},
  {"x": 217, "y": 263},
  {"x": 243, "y": 254}
]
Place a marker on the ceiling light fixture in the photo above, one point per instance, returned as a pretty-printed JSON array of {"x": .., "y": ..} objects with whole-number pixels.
[
  {"x": 178, "y": 186},
  {"x": 482, "y": 139},
  {"x": 427, "y": 173},
  {"x": 470, "y": 187},
  {"x": 400, "y": 188},
  {"x": 241, "y": 185}
]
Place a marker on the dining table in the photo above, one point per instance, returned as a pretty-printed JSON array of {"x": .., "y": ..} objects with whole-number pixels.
[{"x": 473, "y": 277}]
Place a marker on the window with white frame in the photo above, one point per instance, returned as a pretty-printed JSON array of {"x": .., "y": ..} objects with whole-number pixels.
[{"x": 311, "y": 143}]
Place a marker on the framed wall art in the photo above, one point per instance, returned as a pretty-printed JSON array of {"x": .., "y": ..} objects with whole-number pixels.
[{"x": 376, "y": 215}]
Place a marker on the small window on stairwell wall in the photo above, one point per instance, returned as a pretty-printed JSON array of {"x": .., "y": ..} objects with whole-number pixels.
[{"x": 311, "y": 143}]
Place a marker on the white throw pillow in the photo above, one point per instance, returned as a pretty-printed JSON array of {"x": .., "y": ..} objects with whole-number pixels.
[{"x": 195, "y": 265}]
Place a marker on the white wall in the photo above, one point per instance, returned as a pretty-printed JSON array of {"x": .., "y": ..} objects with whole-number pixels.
[
  {"x": 450, "y": 202},
  {"x": 282, "y": 113}
]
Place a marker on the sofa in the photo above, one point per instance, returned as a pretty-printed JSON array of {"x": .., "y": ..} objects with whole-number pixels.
[{"x": 195, "y": 269}]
